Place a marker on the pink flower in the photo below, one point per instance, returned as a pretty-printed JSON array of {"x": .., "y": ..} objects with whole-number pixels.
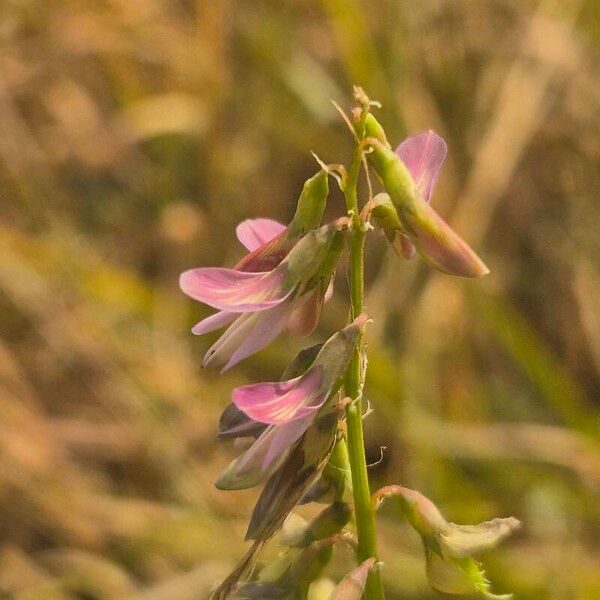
[
  {"x": 265, "y": 291},
  {"x": 409, "y": 176},
  {"x": 287, "y": 407}
]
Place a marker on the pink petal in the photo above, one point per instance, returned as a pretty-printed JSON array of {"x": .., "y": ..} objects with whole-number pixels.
[
  {"x": 254, "y": 233},
  {"x": 443, "y": 248},
  {"x": 267, "y": 256},
  {"x": 216, "y": 321},
  {"x": 306, "y": 313},
  {"x": 329, "y": 291},
  {"x": 234, "y": 291},
  {"x": 222, "y": 350},
  {"x": 271, "y": 446},
  {"x": 267, "y": 325},
  {"x": 423, "y": 154},
  {"x": 284, "y": 436},
  {"x": 402, "y": 245},
  {"x": 255, "y": 455},
  {"x": 280, "y": 402}
]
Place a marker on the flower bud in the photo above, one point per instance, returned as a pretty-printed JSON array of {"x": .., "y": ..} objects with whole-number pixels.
[
  {"x": 353, "y": 585},
  {"x": 311, "y": 204},
  {"x": 328, "y": 522}
]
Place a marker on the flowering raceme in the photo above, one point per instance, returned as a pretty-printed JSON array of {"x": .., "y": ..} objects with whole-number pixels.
[{"x": 302, "y": 435}]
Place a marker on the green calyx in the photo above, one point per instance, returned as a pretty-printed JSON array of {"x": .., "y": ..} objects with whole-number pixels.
[
  {"x": 335, "y": 354},
  {"x": 312, "y": 251},
  {"x": 384, "y": 213}
]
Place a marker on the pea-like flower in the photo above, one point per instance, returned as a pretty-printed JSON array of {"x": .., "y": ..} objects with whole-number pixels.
[
  {"x": 256, "y": 306},
  {"x": 409, "y": 176},
  {"x": 288, "y": 408},
  {"x": 449, "y": 548}
]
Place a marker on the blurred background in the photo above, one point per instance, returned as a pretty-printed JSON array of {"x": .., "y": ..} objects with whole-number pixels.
[{"x": 135, "y": 134}]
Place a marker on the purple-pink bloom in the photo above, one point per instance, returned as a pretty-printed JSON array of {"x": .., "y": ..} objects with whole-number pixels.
[
  {"x": 260, "y": 296},
  {"x": 288, "y": 407},
  {"x": 255, "y": 233},
  {"x": 424, "y": 155},
  {"x": 282, "y": 401},
  {"x": 409, "y": 175}
]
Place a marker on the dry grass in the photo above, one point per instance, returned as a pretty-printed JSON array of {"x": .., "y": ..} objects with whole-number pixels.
[{"x": 135, "y": 134}]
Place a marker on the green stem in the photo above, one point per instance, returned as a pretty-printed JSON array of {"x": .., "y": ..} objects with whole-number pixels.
[{"x": 365, "y": 518}]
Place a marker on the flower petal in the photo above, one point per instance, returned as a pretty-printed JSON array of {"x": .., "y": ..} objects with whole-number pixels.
[
  {"x": 267, "y": 326},
  {"x": 222, "y": 350},
  {"x": 464, "y": 540},
  {"x": 282, "y": 401},
  {"x": 439, "y": 245},
  {"x": 284, "y": 437},
  {"x": 423, "y": 154},
  {"x": 234, "y": 291},
  {"x": 254, "y": 233},
  {"x": 246, "y": 471},
  {"x": 216, "y": 321},
  {"x": 306, "y": 312},
  {"x": 266, "y": 451}
]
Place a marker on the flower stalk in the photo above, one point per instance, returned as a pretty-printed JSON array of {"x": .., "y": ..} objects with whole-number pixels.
[{"x": 364, "y": 515}]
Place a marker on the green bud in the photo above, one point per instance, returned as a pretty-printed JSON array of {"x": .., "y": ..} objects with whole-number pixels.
[
  {"x": 330, "y": 521},
  {"x": 374, "y": 129},
  {"x": 353, "y": 585},
  {"x": 311, "y": 204}
]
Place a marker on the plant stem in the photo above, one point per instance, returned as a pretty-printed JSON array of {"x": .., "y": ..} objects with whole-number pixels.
[{"x": 365, "y": 518}]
